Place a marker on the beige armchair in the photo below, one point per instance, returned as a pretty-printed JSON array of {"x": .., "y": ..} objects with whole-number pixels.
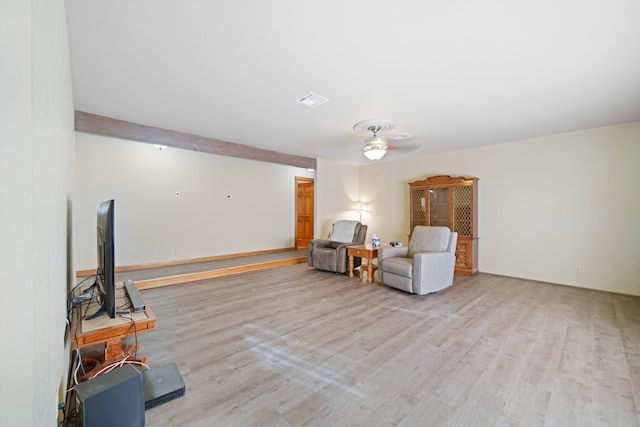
[
  {"x": 331, "y": 254},
  {"x": 425, "y": 266}
]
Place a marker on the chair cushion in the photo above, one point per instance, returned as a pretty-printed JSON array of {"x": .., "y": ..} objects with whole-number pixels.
[
  {"x": 429, "y": 239},
  {"x": 400, "y": 266},
  {"x": 343, "y": 231}
]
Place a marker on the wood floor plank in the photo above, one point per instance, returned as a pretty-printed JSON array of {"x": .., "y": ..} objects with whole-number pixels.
[{"x": 293, "y": 346}]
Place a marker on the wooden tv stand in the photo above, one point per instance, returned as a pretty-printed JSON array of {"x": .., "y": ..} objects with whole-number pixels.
[{"x": 109, "y": 332}]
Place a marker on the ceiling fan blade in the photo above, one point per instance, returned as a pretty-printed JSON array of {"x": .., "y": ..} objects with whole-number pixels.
[{"x": 405, "y": 147}]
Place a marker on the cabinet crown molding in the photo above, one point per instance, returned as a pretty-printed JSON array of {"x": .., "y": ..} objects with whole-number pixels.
[{"x": 444, "y": 179}]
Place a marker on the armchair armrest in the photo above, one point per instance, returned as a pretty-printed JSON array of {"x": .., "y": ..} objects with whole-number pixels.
[
  {"x": 319, "y": 243},
  {"x": 341, "y": 251},
  {"x": 341, "y": 248},
  {"x": 323, "y": 243},
  {"x": 391, "y": 252},
  {"x": 436, "y": 266},
  {"x": 424, "y": 258}
]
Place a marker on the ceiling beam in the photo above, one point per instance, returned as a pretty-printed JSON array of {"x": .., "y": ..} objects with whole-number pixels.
[{"x": 107, "y": 126}]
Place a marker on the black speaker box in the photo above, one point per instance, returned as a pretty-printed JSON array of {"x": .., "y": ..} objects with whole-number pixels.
[
  {"x": 112, "y": 399},
  {"x": 162, "y": 384}
]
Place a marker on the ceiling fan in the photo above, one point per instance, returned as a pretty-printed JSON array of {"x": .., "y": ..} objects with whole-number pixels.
[{"x": 376, "y": 147}]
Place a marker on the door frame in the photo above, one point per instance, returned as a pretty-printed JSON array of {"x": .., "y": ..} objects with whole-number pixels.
[{"x": 298, "y": 180}]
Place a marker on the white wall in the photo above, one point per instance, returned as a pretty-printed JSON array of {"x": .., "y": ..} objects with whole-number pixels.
[
  {"x": 153, "y": 225},
  {"x": 36, "y": 157},
  {"x": 337, "y": 191},
  {"x": 546, "y": 205}
]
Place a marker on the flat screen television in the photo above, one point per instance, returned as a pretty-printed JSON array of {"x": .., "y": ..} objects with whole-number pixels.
[{"x": 106, "y": 272}]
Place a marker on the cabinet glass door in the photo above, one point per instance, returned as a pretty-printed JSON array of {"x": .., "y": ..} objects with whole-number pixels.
[
  {"x": 418, "y": 208},
  {"x": 462, "y": 210},
  {"x": 439, "y": 207}
]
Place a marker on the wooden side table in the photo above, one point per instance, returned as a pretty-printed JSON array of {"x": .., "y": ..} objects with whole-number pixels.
[
  {"x": 363, "y": 251},
  {"x": 109, "y": 332}
]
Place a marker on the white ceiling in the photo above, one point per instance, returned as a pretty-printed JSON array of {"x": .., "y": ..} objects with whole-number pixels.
[{"x": 452, "y": 74}]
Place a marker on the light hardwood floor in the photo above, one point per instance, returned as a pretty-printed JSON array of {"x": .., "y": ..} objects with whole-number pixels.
[
  {"x": 155, "y": 276},
  {"x": 294, "y": 346}
]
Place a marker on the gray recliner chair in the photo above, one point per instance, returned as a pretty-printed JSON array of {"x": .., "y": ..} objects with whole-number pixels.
[
  {"x": 425, "y": 266},
  {"x": 331, "y": 254}
]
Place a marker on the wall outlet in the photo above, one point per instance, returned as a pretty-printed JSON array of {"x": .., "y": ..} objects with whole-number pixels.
[
  {"x": 178, "y": 249},
  {"x": 578, "y": 269}
]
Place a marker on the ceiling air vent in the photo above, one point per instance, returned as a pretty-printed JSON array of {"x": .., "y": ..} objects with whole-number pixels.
[
  {"x": 312, "y": 100},
  {"x": 400, "y": 136}
]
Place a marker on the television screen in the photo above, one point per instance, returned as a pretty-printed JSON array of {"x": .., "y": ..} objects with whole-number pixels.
[{"x": 106, "y": 271}]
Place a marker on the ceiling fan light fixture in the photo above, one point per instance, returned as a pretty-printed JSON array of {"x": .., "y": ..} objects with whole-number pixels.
[
  {"x": 375, "y": 147},
  {"x": 375, "y": 150},
  {"x": 375, "y": 140},
  {"x": 375, "y": 154}
]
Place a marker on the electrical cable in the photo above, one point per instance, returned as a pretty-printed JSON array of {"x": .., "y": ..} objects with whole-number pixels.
[
  {"x": 78, "y": 367},
  {"x": 120, "y": 363},
  {"x": 70, "y": 295},
  {"x": 135, "y": 334},
  {"x": 93, "y": 297},
  {"x": 110, "y": 367}
]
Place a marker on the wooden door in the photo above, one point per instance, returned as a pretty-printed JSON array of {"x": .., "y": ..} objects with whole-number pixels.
[{"x": 304, "y": 211}]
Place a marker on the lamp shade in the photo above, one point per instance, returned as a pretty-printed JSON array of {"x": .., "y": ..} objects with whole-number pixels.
[
  {"x": 375, "y": 148},
  {"x": 375, "y": 153}
]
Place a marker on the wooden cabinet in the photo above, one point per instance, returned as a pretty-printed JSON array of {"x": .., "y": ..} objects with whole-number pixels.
[{"x": 450, "y": 202}]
